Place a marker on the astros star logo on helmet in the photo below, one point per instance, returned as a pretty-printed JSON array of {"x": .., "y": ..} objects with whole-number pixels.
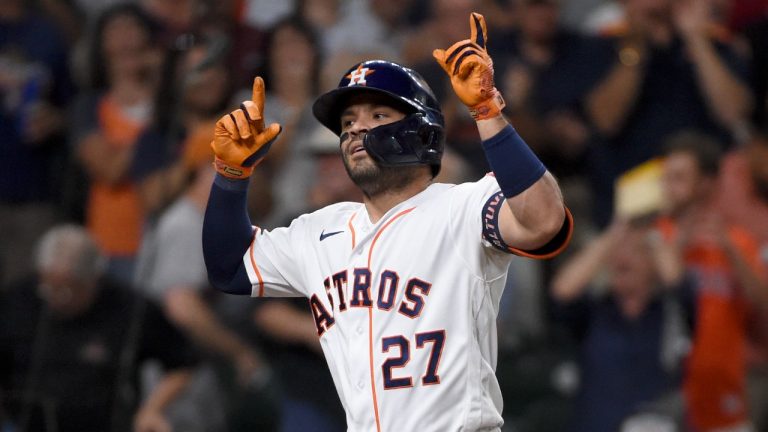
[{"x": 357, "y": 77}]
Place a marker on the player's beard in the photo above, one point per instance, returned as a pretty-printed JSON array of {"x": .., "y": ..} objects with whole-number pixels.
[{"x": 375, "y": 179}]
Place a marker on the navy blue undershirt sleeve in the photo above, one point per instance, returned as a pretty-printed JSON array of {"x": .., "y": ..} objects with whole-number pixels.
[
  {"x": 227, "y": 234},
  {"x": 513, "y": 163}
]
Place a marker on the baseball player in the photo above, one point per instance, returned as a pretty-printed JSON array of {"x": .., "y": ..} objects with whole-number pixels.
[{"x": 404, "y": 288}]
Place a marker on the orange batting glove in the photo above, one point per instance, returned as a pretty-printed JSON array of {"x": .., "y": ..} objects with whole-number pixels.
[
  {"x": 240, "y": 140},
  {"x": 471, "y": 71}
]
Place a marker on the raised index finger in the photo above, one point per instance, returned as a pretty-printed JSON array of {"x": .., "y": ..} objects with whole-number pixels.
[
  {"x": 258, "y": 93},
  {"x": 478, "y": 32}
]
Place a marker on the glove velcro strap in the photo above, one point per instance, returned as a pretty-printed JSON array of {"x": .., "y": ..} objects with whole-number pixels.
[
  {"x": 488, "y": 108},
  {"x": 231, "y": 170}
]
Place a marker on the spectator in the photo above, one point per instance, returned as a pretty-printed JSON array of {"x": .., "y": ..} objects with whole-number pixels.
[
  {"x": 293, "y": 74},
  {"x": 293, "y": 69},
  {"x": 633, "y": 336},
  {"x": 727, "y": 275},
  {"x": 322, "y": 16},
  {"x": 742, "y": 197},
  {"x": 662, "y": 71},
  {"x": 71, "y": 341},
  {"x": 195, "y": 86},
  {"x": 383, "y": 22},
  {"x": 172, "y": 270},
  {"x": 107, "y": 122},
  {"x": 35, "y": 88}
]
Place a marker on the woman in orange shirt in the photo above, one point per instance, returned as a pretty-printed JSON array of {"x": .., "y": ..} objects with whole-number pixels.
[
  {"x": 724, "y": 261},
  {"x": 123, "y": 63}
]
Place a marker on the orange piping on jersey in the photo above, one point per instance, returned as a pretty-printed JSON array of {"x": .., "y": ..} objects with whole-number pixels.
[
  {"x": 354, "y": 243},
  {"x": 370, "y": 319},
  {"x": 352, "y": 228},
  {"x": 376, "y": 237},
  {"x": 556, "y": 252},
  {"x": 255, "y": 267}
]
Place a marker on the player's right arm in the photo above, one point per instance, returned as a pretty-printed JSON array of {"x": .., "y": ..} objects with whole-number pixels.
[{"x": 240, "y": 142}]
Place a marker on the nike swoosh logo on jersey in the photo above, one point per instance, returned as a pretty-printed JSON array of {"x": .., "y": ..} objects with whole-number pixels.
[{"x": 324, "y": 235}]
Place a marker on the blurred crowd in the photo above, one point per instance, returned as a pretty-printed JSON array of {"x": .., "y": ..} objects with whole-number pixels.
[{"x": 653, "y": 320}]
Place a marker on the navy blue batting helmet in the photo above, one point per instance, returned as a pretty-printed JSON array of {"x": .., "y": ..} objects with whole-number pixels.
[{"x": 416, "y": 139}]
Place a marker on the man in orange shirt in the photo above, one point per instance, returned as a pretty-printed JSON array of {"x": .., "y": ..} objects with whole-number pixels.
[
  {"x": 743, "y": 199},
  {"x": 724, "y": 260}
]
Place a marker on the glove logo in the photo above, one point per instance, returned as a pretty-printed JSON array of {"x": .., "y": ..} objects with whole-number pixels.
[
  {"x": 233, "y": 171},
  {"x": 358, "y": 76}
]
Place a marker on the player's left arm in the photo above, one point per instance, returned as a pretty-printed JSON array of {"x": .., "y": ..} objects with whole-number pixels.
[
  {"x": 534, "y": 213},
  {"x": 534, "y": 220},
  {"x": 241, "y": 141}
]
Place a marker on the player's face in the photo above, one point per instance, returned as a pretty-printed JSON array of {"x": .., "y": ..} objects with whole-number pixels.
[
  {"x": 362, "y": 115},
  {"x": 359, "y": 118}
]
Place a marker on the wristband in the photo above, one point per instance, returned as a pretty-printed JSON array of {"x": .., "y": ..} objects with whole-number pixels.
[{"x": 513, "y": 163}]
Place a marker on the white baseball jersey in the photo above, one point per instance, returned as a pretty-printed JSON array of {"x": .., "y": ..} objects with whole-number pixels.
[{"x": 405, "y": 308}]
